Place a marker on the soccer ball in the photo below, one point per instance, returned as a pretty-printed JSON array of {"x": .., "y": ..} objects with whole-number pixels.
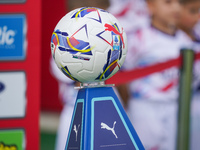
[{"x": 89, "y": 45}]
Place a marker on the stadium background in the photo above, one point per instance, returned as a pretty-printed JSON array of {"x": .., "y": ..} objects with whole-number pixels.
[{"x": 49, "y": 13}]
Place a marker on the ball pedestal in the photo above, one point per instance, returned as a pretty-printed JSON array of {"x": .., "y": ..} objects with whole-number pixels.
[{"x": 99, "y": 122}]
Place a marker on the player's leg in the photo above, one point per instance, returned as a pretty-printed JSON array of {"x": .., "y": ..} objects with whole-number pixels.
[
  {"x": 146, "y": 120},
  {"x": 195, "y": 123},
  {"x": 169, "y": 124},
  {"x": 64, "y": 125}
]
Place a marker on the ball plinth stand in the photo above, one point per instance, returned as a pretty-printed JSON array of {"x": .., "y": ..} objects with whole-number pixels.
[
  {"x": 99, "y": 122},
  {"x": 88, "y": 44}
]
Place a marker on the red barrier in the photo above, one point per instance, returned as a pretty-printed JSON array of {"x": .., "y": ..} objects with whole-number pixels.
[{"x": 127, "y": 76}]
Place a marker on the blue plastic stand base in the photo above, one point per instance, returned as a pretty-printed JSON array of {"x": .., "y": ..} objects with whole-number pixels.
[{"x": 99, "y": 122}]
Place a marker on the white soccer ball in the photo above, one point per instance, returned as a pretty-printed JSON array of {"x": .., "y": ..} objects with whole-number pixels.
[{"x": 89, "y": 45}]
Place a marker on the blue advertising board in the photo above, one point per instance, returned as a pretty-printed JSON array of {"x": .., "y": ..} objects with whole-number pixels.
[{"x": 13, "y": 43}]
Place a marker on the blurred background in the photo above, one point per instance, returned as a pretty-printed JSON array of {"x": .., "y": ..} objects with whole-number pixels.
[{"x": 35, "y": 117}]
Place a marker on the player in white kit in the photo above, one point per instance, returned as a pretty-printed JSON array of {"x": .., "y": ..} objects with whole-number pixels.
[{"x": 153, "y": 99}]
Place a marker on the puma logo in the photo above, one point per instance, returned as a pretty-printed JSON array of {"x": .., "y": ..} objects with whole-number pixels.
[
  {"x": 105, "y": 126},
  {"x": 111, "y": 28},
  {"x": 76, "y": 130}
]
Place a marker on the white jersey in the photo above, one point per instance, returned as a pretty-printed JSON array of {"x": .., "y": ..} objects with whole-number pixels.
[{"x": 150, "y": 46}]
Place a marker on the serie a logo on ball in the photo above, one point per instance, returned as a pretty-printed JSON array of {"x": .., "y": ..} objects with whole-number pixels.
[{"x": 89, "y": 45}]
